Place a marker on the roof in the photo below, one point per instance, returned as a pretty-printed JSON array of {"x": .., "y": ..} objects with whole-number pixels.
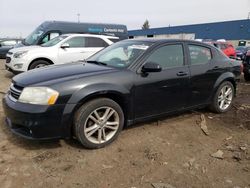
[
  {"x": 229, "y": 30},
  {"x": 90, "y": 23},
  {"x": 155, "y": 40}
]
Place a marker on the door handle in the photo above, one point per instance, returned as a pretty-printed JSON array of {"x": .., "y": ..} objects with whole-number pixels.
[
  {"x": 216, "y": 68},
  {"x": 181, "y": 73}
]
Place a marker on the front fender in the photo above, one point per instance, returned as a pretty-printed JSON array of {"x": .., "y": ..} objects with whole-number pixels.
[
  {"x": 97, "y": 89},
  {"x": 89, "y": 92}
]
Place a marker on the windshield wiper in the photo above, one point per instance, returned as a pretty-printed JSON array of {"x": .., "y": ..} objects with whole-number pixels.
[{"x": 96, "y": 62}]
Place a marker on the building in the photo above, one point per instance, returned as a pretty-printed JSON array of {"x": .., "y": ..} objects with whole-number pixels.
[{"x": 229, "y": 30}]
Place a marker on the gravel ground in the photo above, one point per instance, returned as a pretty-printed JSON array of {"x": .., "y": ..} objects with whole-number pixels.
[{"x": 173, "y": 151}]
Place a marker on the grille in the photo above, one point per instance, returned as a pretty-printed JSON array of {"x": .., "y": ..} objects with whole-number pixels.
[
  {"x": 8, "y": 59},
  {"x": 15, "y": 91}
]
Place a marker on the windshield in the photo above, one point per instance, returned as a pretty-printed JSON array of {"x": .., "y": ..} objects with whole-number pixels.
[
  {"x": 121, "y": 54},
  {"x": 54, "y": 41},
  {"x": 33, "y": 37}
]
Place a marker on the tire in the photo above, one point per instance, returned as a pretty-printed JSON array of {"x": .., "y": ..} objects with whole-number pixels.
[
  {"x": 94, "y": 116},
  {"x": 247, "y": 76},
  {"x": 223, "y": 102},
  {"x": 38, "y": 64}
]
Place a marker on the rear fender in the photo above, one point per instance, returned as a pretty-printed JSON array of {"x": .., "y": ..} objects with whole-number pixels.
[{"x": 227, "y": 76}]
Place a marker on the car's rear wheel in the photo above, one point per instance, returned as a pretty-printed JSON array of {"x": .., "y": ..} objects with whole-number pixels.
[
  {"x": 247, "y": 76},
  {"x": 223, "y": 98},
  {"x": 98, "y": 123},
  {"x": 38, "y": 64}
]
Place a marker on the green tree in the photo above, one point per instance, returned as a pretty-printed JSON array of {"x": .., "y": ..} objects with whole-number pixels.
[{"x": 146, "y": 25}]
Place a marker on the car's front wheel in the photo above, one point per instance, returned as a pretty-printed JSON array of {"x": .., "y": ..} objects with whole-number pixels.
[
  {"x": 38, "y": 63},
  {"x": 223, "y": 98},
  {"x": 98, "y": 123}
]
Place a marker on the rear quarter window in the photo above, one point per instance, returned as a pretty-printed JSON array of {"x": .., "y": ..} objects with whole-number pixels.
[
  {"x": 93, "y": 42},
  {"x": 218, "y": 54},
  {"x": 114, "y": 40}
]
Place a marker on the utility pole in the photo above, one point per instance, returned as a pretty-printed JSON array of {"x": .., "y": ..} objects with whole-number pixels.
[{"x": 78, "y": 17}]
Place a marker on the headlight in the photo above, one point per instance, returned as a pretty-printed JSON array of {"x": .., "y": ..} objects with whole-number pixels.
[
  {"x": 20, "y": 54},
  {"x": 38, "y": 95}
]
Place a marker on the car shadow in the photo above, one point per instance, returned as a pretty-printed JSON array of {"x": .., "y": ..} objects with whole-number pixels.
[
  {"x": 169, "y": 117},
  {"x": 56, "y": 143},
  {"x": 25, "y": 143}
]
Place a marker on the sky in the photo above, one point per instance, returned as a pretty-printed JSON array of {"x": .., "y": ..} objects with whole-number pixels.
[{"x": 18, "y": 18}]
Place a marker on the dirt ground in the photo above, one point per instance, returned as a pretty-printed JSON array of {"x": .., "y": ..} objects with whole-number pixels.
[{"x": 173, "y": 151}]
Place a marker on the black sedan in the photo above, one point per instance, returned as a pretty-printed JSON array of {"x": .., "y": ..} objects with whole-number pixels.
[{"x": 129, "y": 82}]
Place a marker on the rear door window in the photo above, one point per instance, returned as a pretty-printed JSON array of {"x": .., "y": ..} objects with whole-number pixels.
[{"x": 199, "y": 54}]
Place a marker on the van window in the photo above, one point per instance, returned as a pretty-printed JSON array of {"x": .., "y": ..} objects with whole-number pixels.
[
  {"x": 76, "y": 42},
  {"x": 54, "y": 41},
  {"x": 49, "y": 36},
  {"x": 95, "y": 42}
]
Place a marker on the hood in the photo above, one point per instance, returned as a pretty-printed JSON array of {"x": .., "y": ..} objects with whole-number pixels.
[
  {"x": 60, "y": 73},
  {"x": 24, "y": 48}
]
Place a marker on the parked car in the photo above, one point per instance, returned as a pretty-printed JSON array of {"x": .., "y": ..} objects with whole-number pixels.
[
  {"x": 246, "y": 64},
  {"x": 241, "y": 51},
  {"x": 62, "y": 49},
  {"x": 51, "y": 29},
  {"x": 6, "y": 45},
  {"x": 226, "y": 47},
  {"x": 128, "y": 82}
]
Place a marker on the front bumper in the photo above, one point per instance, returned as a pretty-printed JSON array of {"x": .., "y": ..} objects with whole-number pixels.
[
  {"x": 11, "y": 70},
  {"x": 36, "y": 122},
  {"x": 11, "y": 63}
]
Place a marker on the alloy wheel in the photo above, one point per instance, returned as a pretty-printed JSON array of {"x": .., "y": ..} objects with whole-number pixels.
[
  {"x": 225, "y": 97},
  {"x": 101, "y": 125}
]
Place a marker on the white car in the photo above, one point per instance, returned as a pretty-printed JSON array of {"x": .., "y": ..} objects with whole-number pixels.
[{"x": 62, "y": 49}]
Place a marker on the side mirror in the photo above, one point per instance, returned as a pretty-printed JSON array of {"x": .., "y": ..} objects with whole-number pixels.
[
  {"x": 65, "y": 45},
  {"x": 151, "y": 67}
]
